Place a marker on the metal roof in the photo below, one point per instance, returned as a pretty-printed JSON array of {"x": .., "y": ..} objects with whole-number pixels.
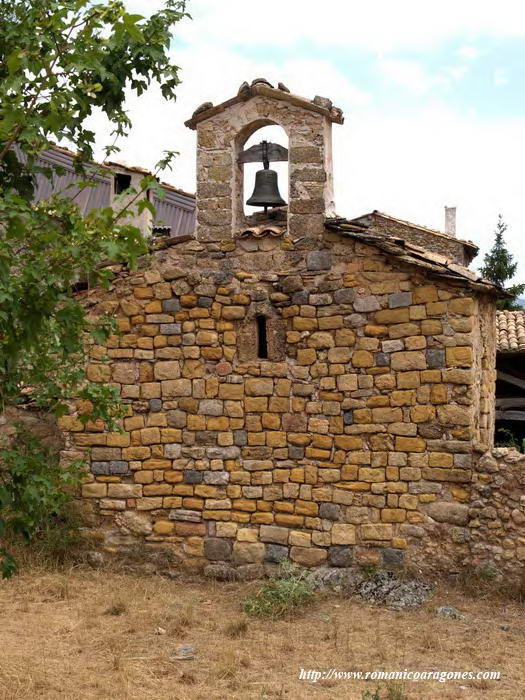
[{"x": 175, "y": 210}]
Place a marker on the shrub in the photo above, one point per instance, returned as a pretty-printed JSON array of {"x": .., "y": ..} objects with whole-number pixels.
[
  {"x": 34, "y": 493},
  {"x": 506, "y": 438},
  {"x": 60, "y": 538},
  {"x": 281, "y": 595}
]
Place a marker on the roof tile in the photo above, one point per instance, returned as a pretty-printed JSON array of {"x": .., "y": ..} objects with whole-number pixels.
[{"x": 510, "y": 328}]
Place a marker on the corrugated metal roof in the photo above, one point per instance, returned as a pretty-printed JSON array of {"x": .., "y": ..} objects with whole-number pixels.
[
  {"x": 88, "y": 198},
  {"x": 176, "y": 209}
]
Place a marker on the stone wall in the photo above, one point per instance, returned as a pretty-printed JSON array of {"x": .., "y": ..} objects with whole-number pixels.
[
  {"x": 497, "y": 512},
  {"x": 39, "y": 423},
  {"x": 435, "y": 241},
  {"x": 342, "y": 447},
  {"x": 482, "y": 527}
]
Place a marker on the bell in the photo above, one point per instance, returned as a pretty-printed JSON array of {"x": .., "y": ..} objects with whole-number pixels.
[{"x": 266, "y": 190}]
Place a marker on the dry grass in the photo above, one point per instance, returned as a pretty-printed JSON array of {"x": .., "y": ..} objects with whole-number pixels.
[{"x": 81, "y": 633}]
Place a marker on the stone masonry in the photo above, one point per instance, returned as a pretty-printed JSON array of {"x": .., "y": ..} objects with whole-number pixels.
[
  {"x": 463, "y": 252},
  {"x": 353, "y": 438}
]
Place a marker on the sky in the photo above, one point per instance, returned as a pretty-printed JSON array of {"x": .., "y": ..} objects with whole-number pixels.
[{"x": 432, "y": 92}]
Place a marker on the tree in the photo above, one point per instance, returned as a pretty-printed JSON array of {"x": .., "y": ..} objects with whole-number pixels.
[
  {"x": 499, "y": 267},
  {"x": 59, "y": 61}
]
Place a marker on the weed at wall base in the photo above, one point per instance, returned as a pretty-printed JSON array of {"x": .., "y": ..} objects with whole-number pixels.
[{"x": 280, "y": 596}]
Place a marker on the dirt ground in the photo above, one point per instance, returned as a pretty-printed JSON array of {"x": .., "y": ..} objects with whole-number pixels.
[{"x": 82, "y": 633}]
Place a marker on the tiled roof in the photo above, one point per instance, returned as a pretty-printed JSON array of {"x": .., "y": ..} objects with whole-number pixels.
[{"x": 510, "y": 326}]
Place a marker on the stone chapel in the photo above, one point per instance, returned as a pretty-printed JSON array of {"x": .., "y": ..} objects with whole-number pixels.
[{"x": 297, "y": 385}]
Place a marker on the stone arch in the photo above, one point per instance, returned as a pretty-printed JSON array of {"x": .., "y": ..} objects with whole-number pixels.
[
  {"x": 220, "y": 211},
  {"x": 239, "y": 190}
]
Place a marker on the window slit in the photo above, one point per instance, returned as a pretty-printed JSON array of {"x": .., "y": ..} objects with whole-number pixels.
[{"x": 262, "y": 339}]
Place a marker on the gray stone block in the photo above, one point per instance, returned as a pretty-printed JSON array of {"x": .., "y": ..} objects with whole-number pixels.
[
  {"x": 382, "y": 359},
  {"x": 340, "y": 556},
  {"x": 319, "y": 260},
  {"x": 100, "y": 468},
  {"x": 320, "y": 299},
  {"x": 348, "y": 417},
  {"x": 365, "y": 304},
  {"x": 211, "y": 407},
  {"x": 435, "y": 358},
  {"x": 300, "y": 297},
  {"x": 172, "y": 450},
  {"x": 330, "y": 511},
  {"x": 176, "y": 419},
  {"x": 190, "y": 516},
  {"x": 463, "y": 461},
  {"x": 240, "y": 437},
  {"x": 292, "y": 284},
  {"x": 392, "y": 557},
  {"x": 448, "y": 512},
  {"x": 118, "y": 466},
  {"x": 217, "y": 549},
  {"x": 192, "y": 476},
  {"x": 392, "y": 345},
  {"x": 275, "y": 553},
  {"x": 399, "y": 299},
  {"x": 228, "y": 452},
  {"x": 170, "y": 328},
  {"x": 344, "y": 296},
  {"x": 296, "y": 452},
  {"x": 218, "y": 478},
  {"x": 170, "y": 305}
]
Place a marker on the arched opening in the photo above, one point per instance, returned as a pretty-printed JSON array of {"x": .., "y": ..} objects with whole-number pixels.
[{"x": 272, "y": 133}]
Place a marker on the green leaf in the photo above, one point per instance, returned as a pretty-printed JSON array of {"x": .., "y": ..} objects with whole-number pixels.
[
  {"x": 60, "y": 62},
  {"x": 130, "y": 23}
]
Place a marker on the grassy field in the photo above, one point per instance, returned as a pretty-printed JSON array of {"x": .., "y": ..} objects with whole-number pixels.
[{"x": 82, "y": 633}]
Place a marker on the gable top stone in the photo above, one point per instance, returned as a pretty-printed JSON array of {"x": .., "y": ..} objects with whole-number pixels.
[{"x": 260, "y": 86}]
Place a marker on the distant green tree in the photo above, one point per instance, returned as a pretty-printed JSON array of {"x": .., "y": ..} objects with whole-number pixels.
[{"x": 499, "y": 267}]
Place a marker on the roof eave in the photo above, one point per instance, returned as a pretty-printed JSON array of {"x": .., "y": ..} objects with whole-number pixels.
[
  {"x": 474, "y": 249},
  {"x": 436, "y": 264}
]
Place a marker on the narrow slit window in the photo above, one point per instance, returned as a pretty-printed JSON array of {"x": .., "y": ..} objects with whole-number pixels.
[{"x": 262, "y": 337}]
